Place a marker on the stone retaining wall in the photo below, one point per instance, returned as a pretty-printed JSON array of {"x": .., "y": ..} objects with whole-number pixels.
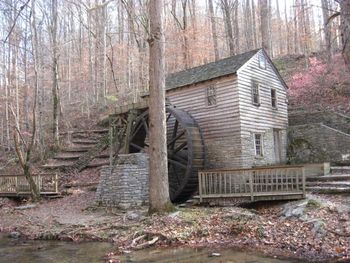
[
  {"x": 126, "y": 184},
  {"x": 317, "y": 143}
]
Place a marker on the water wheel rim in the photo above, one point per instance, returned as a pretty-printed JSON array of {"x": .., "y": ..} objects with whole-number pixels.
[{"x": 180, "y": 191}]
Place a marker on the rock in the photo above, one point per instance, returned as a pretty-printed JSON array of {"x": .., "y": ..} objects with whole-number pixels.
[
  {"x": 15, "y": 234},
  {"x": 294, "y": 209},
  {"x": 24, "y": 207},
  {"x": 175, "y": 214},
  {"x": 215, "y": 254},
  {"x": 318, "y": 227},
  {"x": 133, "y": 216},
  {"x": 240, "y": 214}
]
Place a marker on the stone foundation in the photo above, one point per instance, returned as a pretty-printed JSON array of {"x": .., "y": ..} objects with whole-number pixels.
[{"x": 126, "y": 184}]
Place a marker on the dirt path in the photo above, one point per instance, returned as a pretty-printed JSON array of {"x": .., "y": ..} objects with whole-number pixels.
[{"x": 316, "y": 229}]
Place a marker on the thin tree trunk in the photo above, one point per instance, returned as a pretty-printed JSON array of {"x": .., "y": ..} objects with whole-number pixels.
[
  {"x": 345, "y": 29},
  {"x": 159, "y": 199},
  {"x": 55, "y": 96},
  {"x": 265, "y": 40},
  {"x": 213, "y": 30}
]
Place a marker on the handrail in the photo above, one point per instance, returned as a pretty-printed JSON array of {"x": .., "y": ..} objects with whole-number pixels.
[
  {"x": 253, "y": 168},
  {"x": 252, "y": 182},
  {"x": 18, "y": 184}
]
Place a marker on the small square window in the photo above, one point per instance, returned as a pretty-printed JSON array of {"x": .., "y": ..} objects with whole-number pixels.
[
  {"x": 255, "y": 94},
  {"x": 273, "y": 98},
  {"x": 211, "y": 96},
  {"x": 262, "y": 62},
  {"x": 258, "y": 145}
]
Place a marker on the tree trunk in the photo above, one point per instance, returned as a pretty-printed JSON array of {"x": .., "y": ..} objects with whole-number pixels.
[
  {"x": 55, "y": 96},
  {"x": 345, "y": 29},
  {"x": 265, "y": 40},
  {"x": 159, "y": 199},
  {"x": 279, "y": 21},
  {"x": 326, "y": 29},
  {"x": 213, "y": 30},
  {"x": 228, "y": 25}
]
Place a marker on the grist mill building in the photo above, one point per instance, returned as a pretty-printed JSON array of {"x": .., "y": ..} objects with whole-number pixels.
[{"x": 240, "y": 105}]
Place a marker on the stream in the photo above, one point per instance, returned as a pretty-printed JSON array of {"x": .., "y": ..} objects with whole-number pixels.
[{"x": 22, "y": 251}]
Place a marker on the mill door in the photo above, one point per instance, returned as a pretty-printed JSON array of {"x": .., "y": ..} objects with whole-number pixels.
[{"x": 277, "y": 145}]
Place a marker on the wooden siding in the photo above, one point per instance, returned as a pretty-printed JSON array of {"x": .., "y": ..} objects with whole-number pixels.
[
  {"x": 220, "y": 123},
  {"x": 263, "y": 118}
]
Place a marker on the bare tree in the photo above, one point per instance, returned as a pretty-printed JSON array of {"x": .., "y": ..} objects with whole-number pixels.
[
  {"x": 265, "y": 37},
  {"x": 213, "y": 30},
  {"x": 345, "y": 29},
  {"x": 158, "y": 183}
]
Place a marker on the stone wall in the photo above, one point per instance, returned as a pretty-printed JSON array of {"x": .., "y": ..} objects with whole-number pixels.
[
  {"x": 330, "y": 118},
  {"x": 126, "y": 184},
  {"x": 317, "y": 143},
  {"x": 269, "y": 157}
]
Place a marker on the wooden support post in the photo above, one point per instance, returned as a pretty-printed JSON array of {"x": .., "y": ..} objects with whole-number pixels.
[
  {"x": 56, "y": 183},
  {"x": 303, "y": 178},
  {"x": 251, "y": 186},
  {"x": 111, "y": 141},
  {"x": 130, "y": 121},
  {"x": 200, "y": 187}
]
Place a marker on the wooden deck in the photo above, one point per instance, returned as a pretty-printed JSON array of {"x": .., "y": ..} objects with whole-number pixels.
[
  {"x": 17, "y": 185},
  {"x": 256, "y": 184}
]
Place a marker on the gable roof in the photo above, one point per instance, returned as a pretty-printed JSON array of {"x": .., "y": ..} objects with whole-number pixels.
[{"x": 208, "y": 71}]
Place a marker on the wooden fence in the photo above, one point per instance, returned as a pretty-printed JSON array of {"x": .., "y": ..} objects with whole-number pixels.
[
  {"x": 263, "y": 183},
  {"x": 16, "y": 185}
]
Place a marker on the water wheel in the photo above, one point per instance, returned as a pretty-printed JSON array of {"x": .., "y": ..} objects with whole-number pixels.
[{"x": 185, "y": 150}]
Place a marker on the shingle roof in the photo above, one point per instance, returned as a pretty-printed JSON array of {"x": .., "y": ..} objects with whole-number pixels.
[{"x": 208, "y": 71}]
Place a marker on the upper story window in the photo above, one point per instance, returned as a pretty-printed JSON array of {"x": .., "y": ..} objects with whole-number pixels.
[
  {"x": 262, "y": 62},
  {"x": 274, "y": 98},
  {"x": 255, "y": 94},
  {"x": 258, "y": 144},
  {"x": 211, "y": 96}
]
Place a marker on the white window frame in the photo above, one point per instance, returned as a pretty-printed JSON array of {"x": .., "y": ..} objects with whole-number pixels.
[
  {"x": 274, "y": 99},
  {"x": 258, "y": 86},
  {"x": 262, "y": 62},
  {"x": 210, "y": 92},
  {"x": 261, "y": 145}
]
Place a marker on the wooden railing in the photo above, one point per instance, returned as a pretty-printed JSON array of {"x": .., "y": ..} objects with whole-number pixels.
[
  {"x": 18, "y": 185},
  {"x": 252, "y": 183}
]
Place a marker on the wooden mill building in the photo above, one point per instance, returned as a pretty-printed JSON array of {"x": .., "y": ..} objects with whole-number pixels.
[{"x": 240, "y": 104}]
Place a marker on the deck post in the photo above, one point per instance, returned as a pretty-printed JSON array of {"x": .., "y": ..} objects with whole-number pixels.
[
  {"x": 56, "y": 183},
  {"x": 303, "y": 180},
  {"x": 251, "y": 186},
  {"x": 200, "y": 187}
]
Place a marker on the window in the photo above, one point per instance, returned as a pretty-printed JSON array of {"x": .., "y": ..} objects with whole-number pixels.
[
  {"x": 262, "y": 62},
  {"x": 255, "y": 94},
  {"x": 258, "y": 144},
  {"x": 211, "y": 96},
  {"x": 273, "y": 98}
]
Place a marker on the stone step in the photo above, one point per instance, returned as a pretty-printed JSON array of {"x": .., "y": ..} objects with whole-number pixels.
[
  {"x": 95, "y": 163},
  {"x": 340, "y": 170},
  {"x": 84, "y": 141},
  {"x": 69, "y": 156},
  {"x": 340, "y": 184},
  {"x": 77, "y": 149},
  {"x": 329, "y": 178},
  {"x": 328, "y": 190},
  {"x": 57, "y": 165}
]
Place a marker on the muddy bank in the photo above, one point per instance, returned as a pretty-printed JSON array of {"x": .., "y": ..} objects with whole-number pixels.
[{"x": 316, "y": 229}]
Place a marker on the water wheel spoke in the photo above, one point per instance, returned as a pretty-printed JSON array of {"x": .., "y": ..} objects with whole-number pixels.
[
  {"x": 176, "y": 175},
  {"x": 136, "y": 146},
  {"x": 145, "y": 125},
  {"x": 173, "y": 140},
  {"x": 180, "y": 147},
  {"x": 178, "y": 158},
  {"x": 177, "y": 163},
  {"x": 139, "y": 126}
]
